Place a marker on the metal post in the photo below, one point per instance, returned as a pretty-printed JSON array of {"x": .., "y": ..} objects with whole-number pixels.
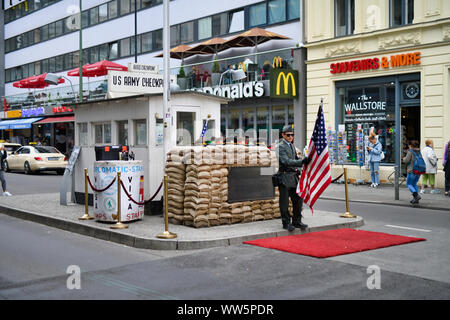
[
  {"x": 398, "y": 138},
  {"x": 80, "y": 53},
  {"x": 347, "y": 214},
  {"x": 166, "y": 234},
  {"x": 86, "y": 215},
  {"x": 119, "y": 224},
  {"x": 166, "y": 89},
  {"x": 135, "y": 31}
]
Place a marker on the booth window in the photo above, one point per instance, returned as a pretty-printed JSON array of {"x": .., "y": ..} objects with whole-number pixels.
[
  {"x": 122, "y": 132},
  {"x": 140, "y": 127},
  {"x": 102, "y": 132}
]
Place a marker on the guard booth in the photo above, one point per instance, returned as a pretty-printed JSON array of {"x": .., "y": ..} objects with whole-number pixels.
[{"x": 137, "y": 122}]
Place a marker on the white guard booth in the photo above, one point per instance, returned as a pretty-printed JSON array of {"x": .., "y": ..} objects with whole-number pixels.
[{"x": 137, "y": 122}]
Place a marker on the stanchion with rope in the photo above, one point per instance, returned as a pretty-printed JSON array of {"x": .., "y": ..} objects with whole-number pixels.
[
  {"x": 166, "y": 234},
  {"x": 347, "y": 214},
  {"x": 119, "y": 224},
  {"x": 86, "y": 215}
]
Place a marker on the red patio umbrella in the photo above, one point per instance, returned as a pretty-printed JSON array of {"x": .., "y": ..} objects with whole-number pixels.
[
  {"x": 34, "y": 82},
  {"x": 97, "y": 69}
]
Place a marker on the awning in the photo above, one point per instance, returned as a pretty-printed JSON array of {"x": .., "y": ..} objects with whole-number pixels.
[
  {"x": 56, "y": 119},
  {"x": 6, "y": 123},
  {"x": 23, "y": 123}
]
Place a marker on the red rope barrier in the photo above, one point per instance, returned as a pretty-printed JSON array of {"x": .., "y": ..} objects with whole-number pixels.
[
  {"x": 140, "y": 203},
  {"x": 100, "y": 190}
]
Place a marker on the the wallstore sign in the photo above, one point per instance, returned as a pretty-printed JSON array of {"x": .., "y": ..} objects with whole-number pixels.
[{"x": 394, "y": 61}]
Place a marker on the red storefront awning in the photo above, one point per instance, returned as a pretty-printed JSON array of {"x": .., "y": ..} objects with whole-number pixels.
[{"x": 56, "y": 119}]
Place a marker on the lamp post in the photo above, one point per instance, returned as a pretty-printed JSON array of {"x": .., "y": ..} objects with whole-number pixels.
[{"x": 80, "y": 53}]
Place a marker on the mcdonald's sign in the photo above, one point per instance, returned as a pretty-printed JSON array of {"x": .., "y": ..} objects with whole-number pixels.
[
  {"x": 284, "y": 83},
  {"x": 277, "y": 62}
]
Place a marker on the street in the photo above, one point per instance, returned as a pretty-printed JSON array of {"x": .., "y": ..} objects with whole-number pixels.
[{"x": 38, "y": 262}]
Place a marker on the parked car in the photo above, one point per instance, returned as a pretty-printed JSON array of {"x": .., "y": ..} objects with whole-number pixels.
[
  {"x": 36, "y": 158},
  {"x": 10, "y": 147}
]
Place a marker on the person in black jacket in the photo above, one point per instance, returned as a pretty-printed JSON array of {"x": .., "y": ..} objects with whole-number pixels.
[
  {"x": 289, "y": 168},
  {"x": 3, "y": 155}
]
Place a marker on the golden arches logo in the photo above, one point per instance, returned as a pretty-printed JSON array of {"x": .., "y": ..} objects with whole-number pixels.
[
  {"x": 242, "y": 66},
  {"x": 286, "y": 83},
  {"x": 277, "y": 62}
]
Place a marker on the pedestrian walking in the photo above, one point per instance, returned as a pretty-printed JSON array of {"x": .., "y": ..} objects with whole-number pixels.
[
  {"x": 3, "y": 155},
  {"x": 446, "y": 164},
  {"x": 375, "y": 149},
  {"x": 412, "y": 178},
  {"x": 289, "y": 170},
  {"x": 431, "y": 161}
]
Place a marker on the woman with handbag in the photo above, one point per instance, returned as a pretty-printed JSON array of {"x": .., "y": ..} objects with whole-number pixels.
[
  {"x": 374, "y": 149},
  {"x": 431, "y": 161}
]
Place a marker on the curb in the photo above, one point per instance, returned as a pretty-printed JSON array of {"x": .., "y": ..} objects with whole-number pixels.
[
  {"x": 158, "y": 244},
  {"x": 389, "y": 203}
]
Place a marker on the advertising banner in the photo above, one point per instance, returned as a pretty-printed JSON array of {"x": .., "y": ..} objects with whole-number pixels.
[{"x": 105, "y": 203}]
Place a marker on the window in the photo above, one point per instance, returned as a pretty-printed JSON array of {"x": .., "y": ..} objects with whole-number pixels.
[
  {"x": 204, "y": 28},
  {"x": 37, "y": 35},
  {"x": 147, "y": 42},
  {"x": 277, "y": 11},
  {"x": 93, "y": 16},
  {"x": 51, "y": 30},
  {"x": 133, "y": 44},
  {"x": 82, "y": 134},
  {"x": 93, "y": 54},
  {"x": 122, "y": 132},
  {"x": 124, "y": 7},
  {"x": 85, "y": 19},
  {"x": 125, "y": 47},
  {"x": 257, "y": 14},
  {"x": 236, "y": 19},
  {"x": 59, "y": 60},
  {"x": 401, "y": 12},
  {"x": 103, "y": 12},
  {"x": 158, "y": 39},
  {"x": 293, "y": 9},
  {"x": 344, "y": 11},
  {"x": 113, "y": 50},
  {"x": 112, "y": 9},
  {"x": 140, "y": 132},
  {"x": 102, "y": 52},
  {"x": 102, "y": 133},
  {"x": 174, "y": 35},
  {"x": 52, "y": 64},
  {"x": 219, "y": 24},
  {"x": 187, "y": 32}
]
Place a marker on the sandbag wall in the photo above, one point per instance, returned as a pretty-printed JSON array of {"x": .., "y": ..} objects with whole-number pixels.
[{"x": 198, "y": 185}]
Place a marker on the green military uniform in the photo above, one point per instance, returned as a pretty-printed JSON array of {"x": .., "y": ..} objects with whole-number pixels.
[{"x": 289, "y": 168}]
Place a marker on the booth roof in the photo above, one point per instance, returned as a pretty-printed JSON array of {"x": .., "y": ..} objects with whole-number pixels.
[{"x": 193, "y": 92}]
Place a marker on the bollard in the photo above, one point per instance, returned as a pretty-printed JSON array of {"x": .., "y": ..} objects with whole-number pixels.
[
  {"x": 86, "y": 215},
  {"x": 166, "y": 234},
  {"x": 119, "y": 224},
  {"x": 347, "y": 214}
]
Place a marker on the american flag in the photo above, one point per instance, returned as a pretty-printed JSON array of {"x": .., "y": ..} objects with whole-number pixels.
[{"x": 316, "y": 176}]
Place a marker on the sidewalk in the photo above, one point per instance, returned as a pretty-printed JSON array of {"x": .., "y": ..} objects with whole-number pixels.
[
  {"x": 46, "y": 209},
  {"x": 385, "y": 194}
]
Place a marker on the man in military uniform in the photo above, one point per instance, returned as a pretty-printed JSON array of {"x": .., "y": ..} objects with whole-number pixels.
[{"x": 289, "y": 168}]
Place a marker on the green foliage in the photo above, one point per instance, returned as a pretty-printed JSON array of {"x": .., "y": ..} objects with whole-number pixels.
[
  {"x": 215, "y": 67},
  {"x": 181, "y": 73}
]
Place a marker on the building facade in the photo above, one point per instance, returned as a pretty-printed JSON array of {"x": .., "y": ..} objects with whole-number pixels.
[
  {"x": 380, "y": 65},
  {"x": 126, "y": 31}
]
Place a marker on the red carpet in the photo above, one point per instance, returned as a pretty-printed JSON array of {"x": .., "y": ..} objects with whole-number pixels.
[{"x": 332, "y": 243}]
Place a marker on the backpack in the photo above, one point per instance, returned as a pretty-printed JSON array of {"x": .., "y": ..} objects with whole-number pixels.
[{"x": 419, "y": 166}]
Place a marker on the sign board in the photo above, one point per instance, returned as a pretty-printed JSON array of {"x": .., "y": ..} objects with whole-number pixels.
[
  {"x": 135, "y": 82},
  {"x": 139, "y": 67},
  {"x": 248, "y": 184},
  {"x": 11, "y": 3},
  {"x": 284, "y": 83},
  {"x": 105, "y": 203},
  {"x": 237, "y": 91},
  {"x": 73, "y": 158}
]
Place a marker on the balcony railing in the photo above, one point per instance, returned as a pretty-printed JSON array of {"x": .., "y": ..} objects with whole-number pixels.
[{"x": 198, "y": 75}]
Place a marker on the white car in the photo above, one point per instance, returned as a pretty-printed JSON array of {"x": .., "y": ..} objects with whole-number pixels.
[{"x": 36, "y": 158}]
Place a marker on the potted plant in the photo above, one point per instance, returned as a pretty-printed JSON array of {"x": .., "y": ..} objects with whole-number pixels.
[
  {"x": 181, "y": 79},
  {"x": 215, "y": 73}
]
